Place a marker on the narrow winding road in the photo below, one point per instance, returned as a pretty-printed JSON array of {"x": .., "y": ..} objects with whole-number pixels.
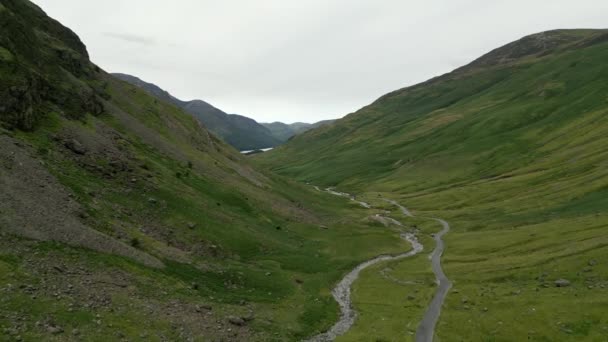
[
  {"x": 426, "y": 329},
  {"x": 342, "y": 291}
]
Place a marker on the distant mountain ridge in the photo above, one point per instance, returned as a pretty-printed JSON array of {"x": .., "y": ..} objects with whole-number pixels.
[
  {"x": 284, "y": 132},
  {"x": 239, "y": 131}
]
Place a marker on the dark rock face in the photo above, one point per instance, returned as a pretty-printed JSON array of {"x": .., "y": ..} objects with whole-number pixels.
[
  {"x": 47, "y": 68},
  {"x": 20, "y": 101},
  {"x": 75, "y": 146}
]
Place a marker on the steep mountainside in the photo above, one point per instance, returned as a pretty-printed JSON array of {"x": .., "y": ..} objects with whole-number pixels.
[
  {"x": 123, "y": 218},
  {"x": 284, "y": 132},
  {"x": 512, "y": 150},
  {"x": 239, "y": 131},
  {"x": 493, "y": 105}
]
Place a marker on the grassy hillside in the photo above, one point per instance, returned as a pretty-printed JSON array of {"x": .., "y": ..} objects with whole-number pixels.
[
  {"x": 239, "y": 131},
  {"x": 280, "y": 130},
  {"x": 122, "y": 217},
  {"x": 284, "y": 132},
  {"x": 511, "y": 149}
]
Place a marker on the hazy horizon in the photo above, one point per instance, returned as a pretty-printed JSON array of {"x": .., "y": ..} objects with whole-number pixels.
[{"x": 292, "y": 61}]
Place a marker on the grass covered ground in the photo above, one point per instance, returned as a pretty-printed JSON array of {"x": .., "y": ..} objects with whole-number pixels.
[
  {"x": 123, "y": 218},
  {"x": 391, "y": 297},
  {"x": 511, "y": 150},
  {"x": 248, "y": 245}
]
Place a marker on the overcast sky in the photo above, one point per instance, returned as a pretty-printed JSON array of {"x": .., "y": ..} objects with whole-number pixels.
[{"x": 303, "y": 60}]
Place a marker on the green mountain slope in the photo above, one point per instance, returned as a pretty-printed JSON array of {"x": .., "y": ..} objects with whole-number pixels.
[
  {"x": 284, "y": 132},
  {"x": 122, "y": 217},
  {"x": 484, "y": 106},
  {"x": 239, "y": 131},
  {"x": 511, "y": 149},
  {"x": 279, "y": 130}
]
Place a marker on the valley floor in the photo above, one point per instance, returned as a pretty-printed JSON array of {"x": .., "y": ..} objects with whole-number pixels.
[{"x": 508, "y": 283}]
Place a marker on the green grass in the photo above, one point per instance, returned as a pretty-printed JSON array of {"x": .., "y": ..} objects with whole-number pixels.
[
  {"x": 248, "y": 243},
  {"x": 511, "y": 274},
  {"x": 154, "y": 179},
  {"x": 391, "y": 297},
  {"x": 5, "y": 55},
  {"x": 512, "y": 154},
  {"x": 514, "y": 157}
]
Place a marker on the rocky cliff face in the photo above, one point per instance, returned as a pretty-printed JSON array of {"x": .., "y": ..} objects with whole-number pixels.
[{"x": 45, "y": 68}]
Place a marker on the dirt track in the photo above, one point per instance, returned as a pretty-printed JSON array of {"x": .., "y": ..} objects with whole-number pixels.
[{"x": 342, "y": 291}]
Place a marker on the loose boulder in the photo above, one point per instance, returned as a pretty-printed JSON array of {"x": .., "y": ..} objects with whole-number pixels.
[
  {"x": 75, "y": 146},
  {"x": 238, "y": 321}
]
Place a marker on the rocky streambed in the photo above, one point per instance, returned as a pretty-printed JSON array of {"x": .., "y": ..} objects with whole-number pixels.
[{"x": 342, "y": 291}]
